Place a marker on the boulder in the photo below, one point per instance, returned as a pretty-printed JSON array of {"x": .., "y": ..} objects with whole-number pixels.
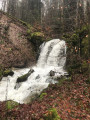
[
  {"x": 8, "y": 73},
  {"x": 38, "y": 76},
  {"x": 37, "y": 38},
  {"x": 30, "y": 71},
  {"x": 52, "y": 73},
  {"x": 23, "y": 78}
]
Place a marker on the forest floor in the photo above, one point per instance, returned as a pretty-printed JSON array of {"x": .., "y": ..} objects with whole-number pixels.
[{"x": 71, "y": 99}]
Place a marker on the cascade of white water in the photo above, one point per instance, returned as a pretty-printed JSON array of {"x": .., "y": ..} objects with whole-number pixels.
[
  {"x": 42, "y": 61},
  {"x": 52, "y": 57}
]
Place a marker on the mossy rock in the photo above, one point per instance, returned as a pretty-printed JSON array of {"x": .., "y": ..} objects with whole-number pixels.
[
  {"x": 8, "y": 73},
  {"x": 52, "y": 115},
  {"x": 23, "y": 78},
  {"x": 11, "y": 104},
  {"x": 37, "y": 37},
  {"x": 29, "y": 31}
]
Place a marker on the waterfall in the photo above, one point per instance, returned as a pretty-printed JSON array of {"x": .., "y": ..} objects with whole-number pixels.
[{"x": 52, "y": 58}]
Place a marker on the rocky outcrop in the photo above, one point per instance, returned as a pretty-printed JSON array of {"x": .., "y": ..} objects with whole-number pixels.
[{"x": 15, "y": 49}]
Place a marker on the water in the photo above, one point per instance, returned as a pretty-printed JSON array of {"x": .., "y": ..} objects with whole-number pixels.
[{"x": 52, "y": 57}]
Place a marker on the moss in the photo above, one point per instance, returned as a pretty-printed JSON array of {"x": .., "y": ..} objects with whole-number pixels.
[
  {"x": 37, "y": 38},
  {"x": 23, "y": 78},
  {"x": 11, "y": 105},
  {"x": 29, "y": 26},
  {"x": 37, "y": 34},
  {"x": 52, "y": 115},
  {"x": 22, "y": 22},
  {"x": 8, "y": 72},
  {"x": 42, "y": 95},
  {"x": 29, "y": 32}
]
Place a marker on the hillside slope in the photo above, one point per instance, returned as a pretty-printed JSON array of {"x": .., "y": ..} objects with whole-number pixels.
[{"x": 15, "y": 49}]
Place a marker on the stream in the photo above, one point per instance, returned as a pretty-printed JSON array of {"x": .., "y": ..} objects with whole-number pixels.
[{"x": 52, "y": 58}]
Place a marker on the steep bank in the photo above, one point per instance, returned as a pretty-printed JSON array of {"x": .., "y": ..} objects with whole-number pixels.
[{"x": 15, "y": 49}]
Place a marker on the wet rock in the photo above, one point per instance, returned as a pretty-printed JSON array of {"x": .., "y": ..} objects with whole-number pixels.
[
  {"x": 23, "y": 78},
  {"x": 52, "y": 73},
  {"x": 30, "y": 71},
  {"x": 38, "y": 77},
  {"x": 17, "y": 86},
  {"x": 8, "y": 73}
]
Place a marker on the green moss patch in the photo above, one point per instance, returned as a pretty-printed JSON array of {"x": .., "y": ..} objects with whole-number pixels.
[
  {"x": 42, "y": 95},
  {"x": 22, "y": 78},
  {"x": 11, "y": 104},
  {"x": 52, "y": 115}
]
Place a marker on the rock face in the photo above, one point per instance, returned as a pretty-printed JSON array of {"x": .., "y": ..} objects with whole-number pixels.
[{"x": 15, "y": 49}]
